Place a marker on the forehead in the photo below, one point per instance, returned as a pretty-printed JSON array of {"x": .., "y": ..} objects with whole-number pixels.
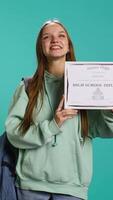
[{"x": 53, "y": 27}]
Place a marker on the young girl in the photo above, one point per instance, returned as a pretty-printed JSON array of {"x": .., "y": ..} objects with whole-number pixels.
[{"x": 55, "y": 144}]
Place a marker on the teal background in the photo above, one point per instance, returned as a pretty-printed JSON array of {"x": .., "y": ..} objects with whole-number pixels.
[{"x": 90, "y": 24}]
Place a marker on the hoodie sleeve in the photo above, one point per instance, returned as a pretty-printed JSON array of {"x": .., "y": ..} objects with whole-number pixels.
[
  {"x": 100, "y": 123},
  {"x": 37, "y": 135}
]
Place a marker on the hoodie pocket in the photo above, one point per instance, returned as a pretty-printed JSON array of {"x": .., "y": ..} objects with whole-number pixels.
[
  {"x": 59, "y": 166},
  {"x": 54, "y": 164}
]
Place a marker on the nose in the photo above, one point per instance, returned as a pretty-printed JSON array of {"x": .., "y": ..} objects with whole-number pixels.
[{"x": 54, "y": 39}]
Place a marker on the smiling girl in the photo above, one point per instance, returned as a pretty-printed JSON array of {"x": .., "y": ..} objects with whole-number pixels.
[{"x": 55, "y": 144}]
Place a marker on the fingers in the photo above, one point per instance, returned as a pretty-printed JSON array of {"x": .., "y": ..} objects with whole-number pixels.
[
  {"x": 69, "y": 113},
  {"x": 63, "y": 115}
]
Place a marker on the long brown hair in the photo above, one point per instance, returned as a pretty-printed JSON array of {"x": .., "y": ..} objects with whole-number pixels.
[{"x": 36, "y": 83}]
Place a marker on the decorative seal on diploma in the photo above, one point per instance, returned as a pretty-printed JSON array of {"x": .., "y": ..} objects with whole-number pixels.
[{"x": 88, "y": 85}]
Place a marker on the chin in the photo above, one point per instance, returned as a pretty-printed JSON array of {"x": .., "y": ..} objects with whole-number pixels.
[{"x": 57, "y": 55}]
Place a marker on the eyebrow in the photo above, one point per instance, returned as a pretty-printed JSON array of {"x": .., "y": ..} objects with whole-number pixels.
[{"x": 49, "y": 33}]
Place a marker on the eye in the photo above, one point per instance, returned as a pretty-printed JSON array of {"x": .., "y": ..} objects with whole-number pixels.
[
  {"x": 45, "y": 37},
  {"x": 62, "y": 35}
]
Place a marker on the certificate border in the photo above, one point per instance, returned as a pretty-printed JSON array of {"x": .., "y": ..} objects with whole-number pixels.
[{"x": 66, "y": 83}]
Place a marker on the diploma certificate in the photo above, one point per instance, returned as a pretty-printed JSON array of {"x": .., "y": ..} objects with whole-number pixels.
[{"x": 88, "y": 85}]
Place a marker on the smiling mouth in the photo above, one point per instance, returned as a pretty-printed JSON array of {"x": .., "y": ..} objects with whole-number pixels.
[{"x": 55, "y": 47}]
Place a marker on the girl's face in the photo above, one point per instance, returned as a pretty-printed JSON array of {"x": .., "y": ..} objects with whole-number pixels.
[{"x": 55, "y": 43}]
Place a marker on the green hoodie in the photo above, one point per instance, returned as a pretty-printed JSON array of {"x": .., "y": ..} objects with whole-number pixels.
[{"x": 54, "y": 159}]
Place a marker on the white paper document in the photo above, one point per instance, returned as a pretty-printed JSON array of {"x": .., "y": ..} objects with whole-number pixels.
[{"x": 88, "y": 85}]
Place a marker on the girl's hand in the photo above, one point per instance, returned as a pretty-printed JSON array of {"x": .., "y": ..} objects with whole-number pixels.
[{"x": 62, "y": 114}]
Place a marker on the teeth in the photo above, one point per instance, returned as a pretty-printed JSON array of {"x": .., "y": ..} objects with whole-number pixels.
[{"x": 55, "y": 47}]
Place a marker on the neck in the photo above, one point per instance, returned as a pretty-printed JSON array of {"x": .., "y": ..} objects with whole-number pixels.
[{"x": 56, "y": 67}]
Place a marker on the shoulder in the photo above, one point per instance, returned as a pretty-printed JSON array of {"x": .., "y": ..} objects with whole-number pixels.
[{"x": 20, "y": 91}]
